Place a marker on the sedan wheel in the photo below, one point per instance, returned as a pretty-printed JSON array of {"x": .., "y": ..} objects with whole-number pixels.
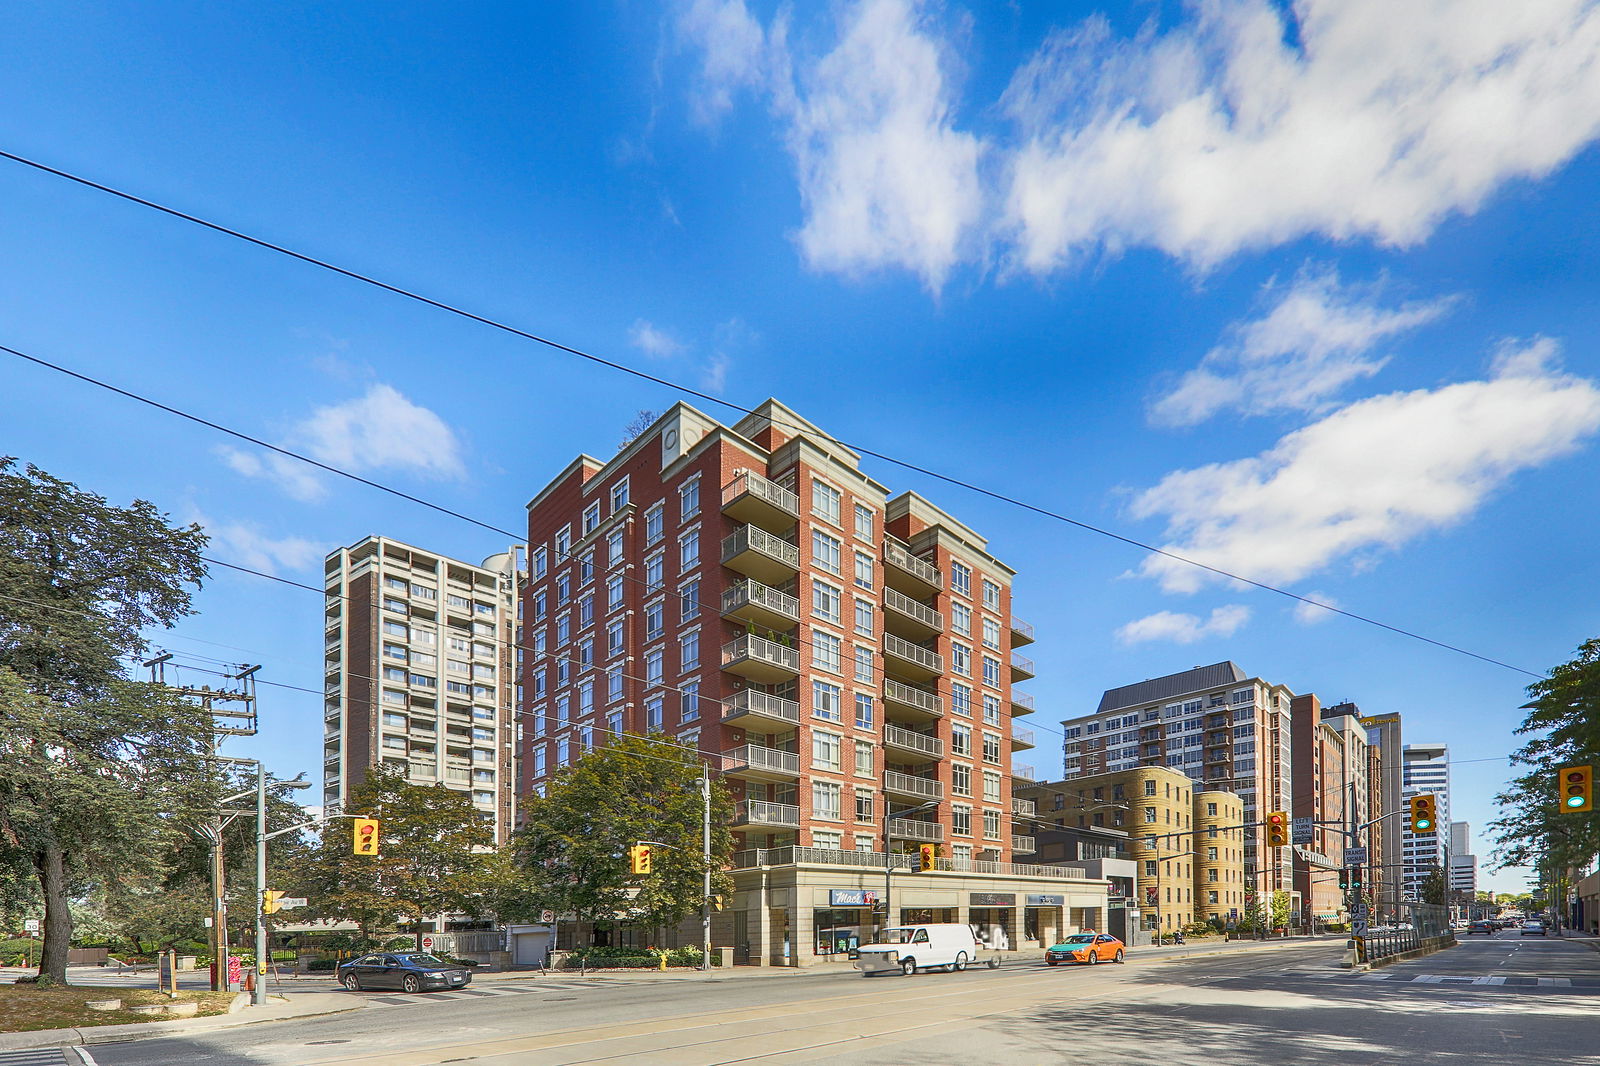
[
  {"x": 908, "y": 967},
  {"x": 352, "y": 982},
  {"x": 411, "y": 983},
  {"x": 1094, "y": 956},
  {"x": 1049, "y": 962},
  {"x": 1119, "y": 955}
]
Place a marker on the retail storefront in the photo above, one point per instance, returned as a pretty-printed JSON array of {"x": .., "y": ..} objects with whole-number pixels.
[{"x": 806, "y": 906}]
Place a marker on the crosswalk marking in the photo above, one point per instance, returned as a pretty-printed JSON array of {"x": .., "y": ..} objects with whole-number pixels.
[
  {"x": 462, "y": 993},
  {"x": 44, "y": 1056},
  {"x": 1483, "y": 981}
]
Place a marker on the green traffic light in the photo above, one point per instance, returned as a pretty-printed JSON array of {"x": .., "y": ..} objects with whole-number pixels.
[
  {"x": 1574, "y": 801},
  {"x": 1424, "y": 824}
]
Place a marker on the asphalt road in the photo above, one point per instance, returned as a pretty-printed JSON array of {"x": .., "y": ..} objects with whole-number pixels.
[{"x": 1278, "y": 1004}]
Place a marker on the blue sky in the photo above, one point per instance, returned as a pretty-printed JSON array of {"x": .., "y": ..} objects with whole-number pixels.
[{"x": 1305, "y": 294}]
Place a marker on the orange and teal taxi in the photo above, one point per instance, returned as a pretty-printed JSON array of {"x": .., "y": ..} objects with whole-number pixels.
[{"x": 1087, "y": 948}]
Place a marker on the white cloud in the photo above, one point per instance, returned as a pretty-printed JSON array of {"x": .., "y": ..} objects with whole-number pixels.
[
  {"x": 381, "y": 430},
  {"x": 1250, "y": 126},
  {"x": 734, "y": 53},
  {"x": 653, "y": 341},
  {"x": 886, "y": 180},
  {"x": 245, "y": 544},
  {"x": 1371, "y": 476},
  {"x": 1185, "y": 628},
  {"x": 1316, "y": 339},
  {"x": 1309, "y": 614}
]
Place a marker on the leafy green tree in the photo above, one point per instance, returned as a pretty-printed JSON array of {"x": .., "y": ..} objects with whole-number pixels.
[
  {"x": 573, "y": 845},
  {"x": 94, "y": 768},
  {"x": 1564, "y": 721},
  {"x": 1432, "y": 889},
  {"x": 1281, "y": 909},
  {"x": 432, "y": 847}
]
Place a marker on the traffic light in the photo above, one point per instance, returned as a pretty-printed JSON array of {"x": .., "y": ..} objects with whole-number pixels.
[
  {"x": 365, "y": 836},
  {"x": 927, "y": 858},
  {"x": 1577, "y": 788},
  {"x": 1278, "y": 829},
  {"x": 1424, "y": 814},
  {"x": 639, "y": 858},
  {"x": 717, "y": 903},
  {"x": 269, "y": 901},
  {"x": 1357, "y": 874},
  {"x": 1344, "y": 879}
]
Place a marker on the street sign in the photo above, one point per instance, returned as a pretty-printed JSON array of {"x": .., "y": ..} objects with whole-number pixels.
[
  {"x": 546, "y": 917},
  {"x": 287, "y": 903},
  {"x": 1355, "y": 856},
  {"x": 1358, "y": 910},
  {"x": 427, "y": 943},
  {"x": 1358, "y": 926},
  {"x": 31, "y": 925},
  {"x": 1302, "y": 831}
]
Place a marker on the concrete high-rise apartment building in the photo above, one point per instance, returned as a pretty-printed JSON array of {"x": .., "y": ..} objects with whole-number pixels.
[
  {"x": 843, "y": 655},
  {"x": 1185, "y": 842},
  {"x": 1426, "y": 769},
  {"x": 1218, "y": 725},
  {"x": 1331, "y": 767},
  {"x": 420, "y": 674}
]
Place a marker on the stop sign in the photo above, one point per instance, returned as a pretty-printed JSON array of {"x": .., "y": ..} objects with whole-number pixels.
[{"x": 427, "y": 943}]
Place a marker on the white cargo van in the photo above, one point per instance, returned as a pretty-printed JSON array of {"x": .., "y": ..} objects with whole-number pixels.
[{"x": 910, "y": 948}]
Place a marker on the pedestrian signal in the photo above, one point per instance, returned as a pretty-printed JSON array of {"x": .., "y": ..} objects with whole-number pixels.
[
  {"x": 1577, "y": 788},
  {"x": 365, "y": 834},
  {"x": 1278, "y": 829}
]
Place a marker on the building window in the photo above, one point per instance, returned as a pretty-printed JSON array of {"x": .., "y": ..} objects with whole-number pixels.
[
  {"x": 961, "y": 820},
  {"x": 825, "y": 551},
  {"x": 652, "y": 714},
  {"x": 864, "y": 759},
  {"x": 825, "y": 801},
  {"x": 613, "y": 592},
  {"x": 960, "y": 577},
  {"x": 1150, "y": 787},
  {"x": 690, "y": 642},
  {"x": 614, "y": 637},
  {"x": 613, "y": 684},
  {"x": 864, "y": 564},
  {"x": 825, "y": 601},
  {"x": 585, "y": 698},
  {"x": 1149, "y": 816},
  {"x": 825, "y": 701},
  {"x": 619, "y": 495},
  {"x": 1150, "y": 868},
  {"x": 864, "y": 523},
  {"x": 961, "y": 659},
  {"x": 1211, "y": 810},
  {"x": 652, "y": 667},
  {"x": 563, "y": 630},
  {"x": 591, "y": 517},
  {"x": 563, "y": 589},
  {"x": 825, "y": 501},
  {"x": 614, "y": 548},
  {"x": 541, "y": 562},
  {"x": 961, "y": 699},
  {"x": 689, "y": 498},
  {"x": 865, "y": 617},
  {"x": 825, "y": 651},
  {"x": 563, "y": 543},
  {"x": 960, "y": 779},
  {"x": 864, "y": 664},
  {"x": 991, "y": 749},
  {"x": 585, "y": 610},
  {"x": 960, "y": 740},
  {"x": 991, "y": 595},
  {"x": 689, "y": 601},
  {"x": 689, "y": 550},
  {"x": 991, "y": 786},
  {"x": 991, "y": 825},
  {"x": 653, "y": 625},
  {"x": 825, "y": 753},
  {"x": 991, "y": 709},
  {"x": 864, "y": 811},
  {"x": 960, "y": 619},
  {"x": 863, "y": 711},
  {"x": 991, "y": 634},
  {"x": 691, "y": 701},
  {"x": 653, "y": 524},
  {"x": 653, "y": 572},
  {"x": 991, "y": 671}
]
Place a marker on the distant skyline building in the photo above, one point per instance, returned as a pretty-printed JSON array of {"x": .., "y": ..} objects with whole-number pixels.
[
  {"x": 1218, "y": 725},
  {"x": 1426, "y": 769},
  {"x": 1387, "y": 774},
  {"x": 419, "y": 672},
  {"x": 1463, "y": 864}
]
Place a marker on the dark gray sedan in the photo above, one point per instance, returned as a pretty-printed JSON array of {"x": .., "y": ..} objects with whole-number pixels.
[{"x": 406, "y": 971}]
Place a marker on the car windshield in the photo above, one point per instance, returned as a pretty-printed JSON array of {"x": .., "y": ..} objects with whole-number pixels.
[
  {"x": 1081, "y": 938},
  {"x": 897, "y": 936},
  {"x": 421, "y": 960}
]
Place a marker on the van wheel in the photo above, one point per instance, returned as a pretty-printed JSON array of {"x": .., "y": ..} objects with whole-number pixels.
[
  {"x": 908, "y": 966},
  {"x": 961, "y": 961},
  {"x": 1119, "y": 956}
]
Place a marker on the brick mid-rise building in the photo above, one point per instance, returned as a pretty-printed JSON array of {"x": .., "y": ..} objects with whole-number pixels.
[{"x": 843, "y": 656}]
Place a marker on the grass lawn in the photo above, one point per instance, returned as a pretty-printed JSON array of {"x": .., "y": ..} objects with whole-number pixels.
[{"x": 24, "y": 1007}]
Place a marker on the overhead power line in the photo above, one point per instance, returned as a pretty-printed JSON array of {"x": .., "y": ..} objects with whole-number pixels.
[{"x": 667, "y": 383}]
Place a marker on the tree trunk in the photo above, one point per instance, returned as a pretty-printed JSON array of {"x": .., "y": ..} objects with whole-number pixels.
[{"x": 51, "y": 864}]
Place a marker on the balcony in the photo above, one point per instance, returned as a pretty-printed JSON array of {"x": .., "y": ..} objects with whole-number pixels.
[
  {"x": 1022, "y": 703},
  {"x": 1023, "y": 845},
  {"x": 1021, "y": 772},
  {"x": 911, "y": 786},
  {"x": 1021, "y": 667},
  {"x": 909, "y": 574},
  {"x": 760, "y": 712},
  {"x": 756, "y": 553},
  {"x": 759, "y": 814},
  {"x": 902, "y": 739},
  {"x": 1021, "y": 739},
  {"x": 751, "y": 498},
  {"x": 752, "y": 762},
  {"x": 906, "y": 616},
  {"x": 915, "y": 829},
  {"x": 916, "y": 703},
  {"x": 751, "y": 601},
  {"x": 911, "y": 660},
  {"x": 1021, "y": 632},
  {"x": 1025, "y": 807},
  {"x": 761, "y": 660}
]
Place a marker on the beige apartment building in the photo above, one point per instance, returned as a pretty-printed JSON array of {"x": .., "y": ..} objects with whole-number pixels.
[
  {"x": 1188, "y": 845},
  {"x": 842, "y": 655},
  {"x": 419, "y": 672},
  {"x": 1217, "y": 725}
]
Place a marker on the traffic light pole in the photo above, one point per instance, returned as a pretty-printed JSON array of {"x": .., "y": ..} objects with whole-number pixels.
[
  {"x": 259, "y": 997},
  {"x": 888, "y": 851}
]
